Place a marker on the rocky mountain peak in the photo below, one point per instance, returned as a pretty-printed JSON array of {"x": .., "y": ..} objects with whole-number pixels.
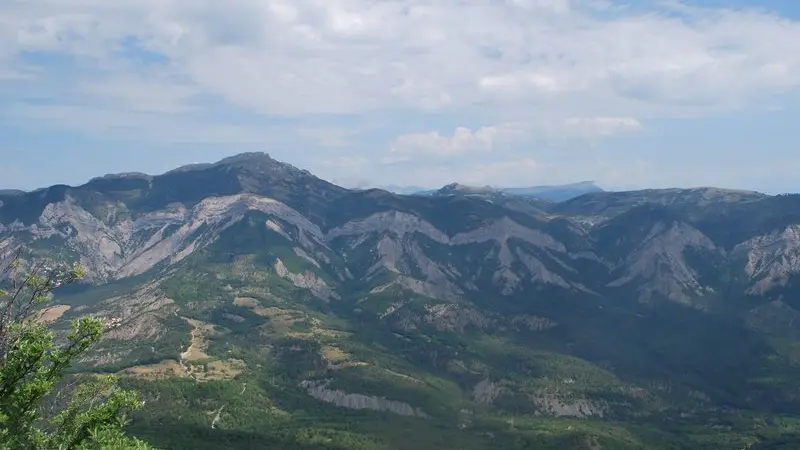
[
  {"x": 258, "y": 172},
  {"x": 239, "y": 161},
  {"x": 247, "y": 158}
]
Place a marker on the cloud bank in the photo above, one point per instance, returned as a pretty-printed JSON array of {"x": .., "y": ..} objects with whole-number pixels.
[{"x": 487, "y": 86}]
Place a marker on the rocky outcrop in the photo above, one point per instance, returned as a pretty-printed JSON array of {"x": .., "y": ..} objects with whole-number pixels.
[
  {"x": 771, "y": 259},
  {"x": 394, "y": 222},
  {"x": 658, "y": 266},
  {"x": 132, "y": 245},
  {"x": 501, "y": 231},
  {"x": 539, "y": 272},
  {"x": 533, "y": 323},
  {"x": 398, "y": 251},
  {"x": 486, "y": 392},
  {"x": 100, "y": 247},
  {"x": 306, "y": 280},
  {"x": 303, "y": 254},
  {"x": 551, "y": 405},
  {"x": 320, "y": 391},
  {"x": 452, "y": 317},
  {"x": 389, "y": 256}
]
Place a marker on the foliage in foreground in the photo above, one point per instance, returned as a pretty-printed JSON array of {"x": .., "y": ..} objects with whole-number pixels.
[{"x": 33, "y": 361}]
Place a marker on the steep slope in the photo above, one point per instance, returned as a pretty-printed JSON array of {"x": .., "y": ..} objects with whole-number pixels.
[
  {"x": 124, "y": 225},
  {"x": 116, "y": 197},
  {"x": 271, "y": 308}
]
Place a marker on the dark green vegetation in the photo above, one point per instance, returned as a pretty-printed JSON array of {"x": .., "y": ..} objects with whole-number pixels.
[{"x": 659, "y": 319}]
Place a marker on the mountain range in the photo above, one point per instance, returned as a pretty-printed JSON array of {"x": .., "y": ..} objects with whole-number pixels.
[
  {"x": 554, "y": 193},
  {"x": 271, "y": 309}
]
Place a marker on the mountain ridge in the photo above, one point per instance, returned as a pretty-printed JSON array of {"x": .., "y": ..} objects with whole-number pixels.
[
  {"x": 613, "y": 313},
  {"x": 553, "y": 193}
]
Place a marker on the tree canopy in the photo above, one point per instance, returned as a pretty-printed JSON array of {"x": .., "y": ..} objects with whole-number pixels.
[{"x": 90, "y": 412}]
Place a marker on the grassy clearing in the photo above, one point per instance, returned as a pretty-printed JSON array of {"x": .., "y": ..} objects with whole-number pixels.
[
  {"x": 288, "y": 322},
  {"x": 168, "y": 368},
  {"x": 198, "y": 344},
  {"x": 216, "y": 370},
  {"x": 194, "y": 362},
  {"x": 338, "y": 359},
  {"x": 52, "y": 314},
  {"x": 334, "y": 354}
]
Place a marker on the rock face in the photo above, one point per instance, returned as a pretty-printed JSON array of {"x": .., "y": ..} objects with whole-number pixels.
[
  {"x": 487, "y": 391},
  {"x": 771, "y": 259},
  {"x": 445, "y": 247},
  {"x": 320, "y": 391},
  {"x": 127, "y": 247},
  {"x": 306, "y": 280},
  {"x": 578, "y": 408},
  {"x": 658, "y": 265}
]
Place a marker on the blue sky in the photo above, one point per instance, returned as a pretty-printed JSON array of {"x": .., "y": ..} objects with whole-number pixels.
[{"x": 408, "y": 92}]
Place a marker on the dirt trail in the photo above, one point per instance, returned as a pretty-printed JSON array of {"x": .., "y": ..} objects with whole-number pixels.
[
  {"x": 193, "y": 362},
  {"x": 196, "y": 351},
  {"x": 216, "y": 418},
  {"x": 197, "y": 344}
]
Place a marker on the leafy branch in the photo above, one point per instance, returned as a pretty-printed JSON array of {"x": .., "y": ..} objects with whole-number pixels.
[{"x": 33, "y": 360}]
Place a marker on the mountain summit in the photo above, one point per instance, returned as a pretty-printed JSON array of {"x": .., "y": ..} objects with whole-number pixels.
[
  {"x": 282, "y": 311},
  {"x": 255, "y": 173}
]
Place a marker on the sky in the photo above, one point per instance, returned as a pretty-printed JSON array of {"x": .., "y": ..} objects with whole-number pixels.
[{"x": 629, "y": 94}]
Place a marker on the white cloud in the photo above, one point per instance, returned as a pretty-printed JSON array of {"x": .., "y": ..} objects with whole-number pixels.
[
  {"x": 532, "y": 72},
  {"x": 504, "y": 172},
  {"x": 144, "y": 127},
  {"x": 463, "y": 141},
  {"x": 523, "y": 83},
  {"x": 328, "y": 137},
  {"x": 600, "y": 127},
  {"x": 505, "y": 137},
  {"x": 350, "y": 56},
  {"x": 140, "y": 94}
]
